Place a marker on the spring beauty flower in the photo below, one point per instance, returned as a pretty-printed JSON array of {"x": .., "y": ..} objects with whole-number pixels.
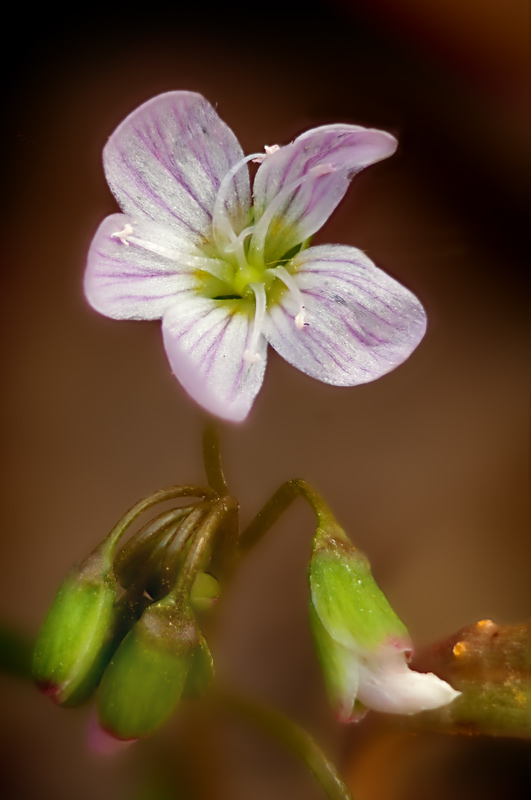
[
  {"x": 228, "y": 276},
  {"x": 361, "y": 643}
]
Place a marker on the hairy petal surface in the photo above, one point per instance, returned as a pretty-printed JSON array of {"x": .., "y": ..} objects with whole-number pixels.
[
  {"x": 205, "y": 341},
  {"x": 136, "y": 270},
  {"x": 166, "y": 162},
  {"x": 387, "y": 684},
  {"x": 359, "y": 322},
  {"x": 327, "y": 158}
]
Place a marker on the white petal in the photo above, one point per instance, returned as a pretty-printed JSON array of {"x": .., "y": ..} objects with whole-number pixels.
[
  {"x": 359, "y": 323},
  {"x": 206, "y": 342},
  {"x": 167, "y": 159},
  {"x": 310, "y": 176},
  {"x": 387, "y": 684},
  {"x": 137, "y": 269}
]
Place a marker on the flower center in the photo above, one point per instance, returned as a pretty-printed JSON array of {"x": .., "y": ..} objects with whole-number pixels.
[{"x": 249, "y": 279}]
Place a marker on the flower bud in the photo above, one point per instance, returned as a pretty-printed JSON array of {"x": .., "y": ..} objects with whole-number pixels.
[
  {"x": 362, "y": 645},
  {"x": 205, "y": 591},
  {"x": 146, "y": 676},
  {"x": 72, "y": 641}
]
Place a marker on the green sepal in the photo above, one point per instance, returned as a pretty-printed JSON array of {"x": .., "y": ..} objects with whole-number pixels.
[
  {"x": 125, "y": 613},
  {"x": 201, "y": 671},
  {"x": 70, "y": 644},
  {"x": 340, "y": 667},
  {"x": 350, "y": 605},
  {"x": 146, "y": 676}
]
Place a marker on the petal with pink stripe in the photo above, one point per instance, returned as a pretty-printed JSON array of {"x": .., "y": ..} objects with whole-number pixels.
[
  {"x": 137, "y": 269},
  {"x": 359, "y": 322},
  {"x": 207, "y": 342},
  {"x": 298, "y": 187},
  {"x": 166, "y": 162}
]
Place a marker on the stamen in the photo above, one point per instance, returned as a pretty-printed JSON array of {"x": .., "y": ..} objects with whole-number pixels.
[
  {"x": 220, "y": 219},
  {"x": 269, "y": 150},
  {"x": 214, "y": 266},
  {"x": 250, "y": 355},
  {"x": 262, "y": 226},
  {"x": 283, "y": 275},
  {"x": 121, "y": 235}
]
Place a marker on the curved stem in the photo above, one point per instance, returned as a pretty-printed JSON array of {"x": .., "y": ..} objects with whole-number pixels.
[
  {"x": 212, "y": 459},
  {"x": 199, "y": 546},
  {"x": 137, "y": 549},
  {"x": 109, "y": 544},
  {"x": 280, "y": 502},
  {"x": 175, "y": 546},
  {"x": 294, "y": 737}
]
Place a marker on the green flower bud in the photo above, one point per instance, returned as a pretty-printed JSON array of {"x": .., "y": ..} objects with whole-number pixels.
[
  {"x": 362, "y": 645},
  {"x": 146, "y": 676},
  {"x": 205, "y": 591},
  {"x": 72, "y": 642}
]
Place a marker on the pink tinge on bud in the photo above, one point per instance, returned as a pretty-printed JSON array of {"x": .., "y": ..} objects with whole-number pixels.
[
  {"x": 101, "y": 742},
  {"x": 403, "y": 645},
  {"x": 50, "y": 689}
]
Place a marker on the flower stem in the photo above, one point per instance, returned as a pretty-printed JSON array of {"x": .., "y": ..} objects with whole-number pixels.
[
  {"x": 200, "y": 544},
  {"x": 212, "y": 459},
  {"x": 277, "y": 504},
  {"x": 109, "y": 544},
  {"x": 294, "y": 737},
  {"x": 177, "y": 544},
  {"x": 137, "y": 551}
]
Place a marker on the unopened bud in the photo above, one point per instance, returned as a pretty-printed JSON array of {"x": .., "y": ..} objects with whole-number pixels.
[
  {"x": 146, "y": 676},
  {"x": 362, "y": 645},
  {"x": 72, "y": 639}
]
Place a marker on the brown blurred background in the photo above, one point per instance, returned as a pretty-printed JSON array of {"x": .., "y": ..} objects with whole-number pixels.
[{"x": 426, "y": 468}]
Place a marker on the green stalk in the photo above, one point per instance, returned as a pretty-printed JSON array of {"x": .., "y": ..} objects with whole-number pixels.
[
  {"x": 199, "y": 546},
  {"x": 108, "y": 547},
  {"x": 292, "y": 736},
  {"x": 277, "y": 504},
  {"x": 212, "y": 459}
]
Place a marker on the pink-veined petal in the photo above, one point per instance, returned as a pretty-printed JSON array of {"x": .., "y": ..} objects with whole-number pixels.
[
  {"x": 207, "y": 342},
  {"x": 387, "y": 684},
  {"x": 359, "y": 323},
  {"x": 167, "y": 159},
  {"x": 137, "y": 269},
  {"x": 326, "y": 158}
]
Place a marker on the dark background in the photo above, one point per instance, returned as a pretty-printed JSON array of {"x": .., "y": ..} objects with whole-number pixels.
[{"x": 426, "y": 468}]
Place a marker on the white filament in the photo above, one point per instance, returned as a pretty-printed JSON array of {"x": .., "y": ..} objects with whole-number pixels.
[
  {"x": 283, "y": 275},
  {"x": 220, "y": 219},
  {"x": 251, "y": 355},
  {"x": 262, "y": 226},
  {"x": 214, "y": 266}
]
